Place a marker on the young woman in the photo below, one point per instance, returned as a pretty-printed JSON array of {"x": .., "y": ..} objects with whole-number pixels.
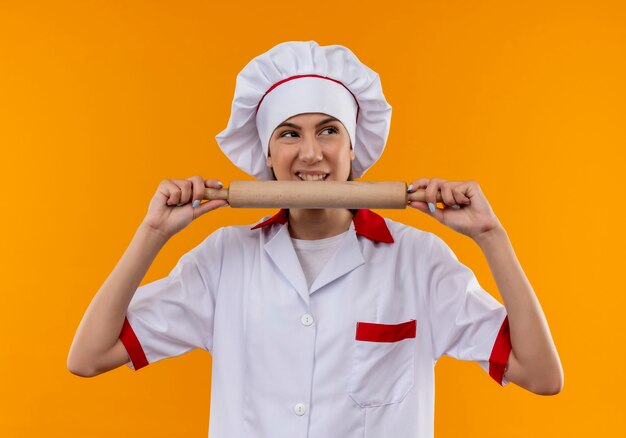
[{"x": 320, "y": 322}]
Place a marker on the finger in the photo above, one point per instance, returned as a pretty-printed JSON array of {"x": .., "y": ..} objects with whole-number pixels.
[
  {"x": 421, "y": 183},
  {"x": 458, "y": 200},
  {"x": 164, "y": 190},
  {"x": 446, "y": 195},
  {"x": 459, "y": 194},
  {"x": 205, "y": 207},
  {"x": 453, "y": 186},
  {"x": 430, "y": 194},
  {"x": 186, "y": 190},
  {"x": 172, "y": 192},
  {"x": 197, "y": 190},
  {"x": 213, "y": 183}
]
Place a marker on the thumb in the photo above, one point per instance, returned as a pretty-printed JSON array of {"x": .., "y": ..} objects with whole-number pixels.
[
  {"x": 421, "y": 206},
  {"x": 208, "y": 206}
]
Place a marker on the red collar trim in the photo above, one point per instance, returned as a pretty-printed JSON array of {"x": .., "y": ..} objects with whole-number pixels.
[
  {"x": 281, "y": 217},
  {"x": 366, "y": 223}
]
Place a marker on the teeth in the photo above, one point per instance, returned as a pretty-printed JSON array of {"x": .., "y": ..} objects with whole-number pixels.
[{"x": 311, "y": 177}]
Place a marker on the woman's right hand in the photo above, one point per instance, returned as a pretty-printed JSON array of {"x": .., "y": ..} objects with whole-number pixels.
[{"x": 171, "y": 208}]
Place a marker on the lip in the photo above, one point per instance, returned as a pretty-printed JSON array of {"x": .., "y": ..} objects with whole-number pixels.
[
  {"x": 324, "y": 175},
  {"x": 311, "y": 172}
]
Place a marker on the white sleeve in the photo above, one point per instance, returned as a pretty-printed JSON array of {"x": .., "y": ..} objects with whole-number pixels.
[
  {"x": 466, "y": 322},
  {"x": 174, "y": 315}
]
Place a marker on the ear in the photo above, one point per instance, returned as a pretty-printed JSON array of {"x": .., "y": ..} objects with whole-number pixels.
[
  {"x": 352, "y": 155},
  {"x": 268, "y": 162}
]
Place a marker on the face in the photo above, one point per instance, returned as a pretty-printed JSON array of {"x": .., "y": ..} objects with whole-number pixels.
[{"x": 311, "y": 146}]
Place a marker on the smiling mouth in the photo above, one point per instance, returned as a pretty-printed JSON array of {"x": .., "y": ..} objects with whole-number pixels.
[{"x": 318, "y": 177}]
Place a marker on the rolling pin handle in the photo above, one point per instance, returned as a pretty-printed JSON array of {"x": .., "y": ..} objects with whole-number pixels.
[
  {"x": 418, "y": 195},
  {"x": 212, "y": 194}
]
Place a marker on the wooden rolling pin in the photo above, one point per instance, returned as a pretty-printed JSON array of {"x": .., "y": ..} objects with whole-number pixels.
[{"x": 316, "y": 194}]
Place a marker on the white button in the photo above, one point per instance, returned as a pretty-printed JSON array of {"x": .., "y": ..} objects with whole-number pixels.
[
  {"x": 299, "y": 409},
  {"x": 306, "y": 319}
]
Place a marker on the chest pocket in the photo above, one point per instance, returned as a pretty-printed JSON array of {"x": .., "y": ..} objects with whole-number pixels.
[{"x": 382, "y": 370}]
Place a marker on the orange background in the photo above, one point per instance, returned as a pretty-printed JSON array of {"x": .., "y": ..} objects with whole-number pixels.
[{"x": 99, "y": 101}]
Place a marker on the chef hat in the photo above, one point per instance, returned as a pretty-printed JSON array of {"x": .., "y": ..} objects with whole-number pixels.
[{"x": 303, "y": 77}]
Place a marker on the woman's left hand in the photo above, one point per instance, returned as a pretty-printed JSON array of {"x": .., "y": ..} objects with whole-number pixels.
[{"x": 466, "y": 210}]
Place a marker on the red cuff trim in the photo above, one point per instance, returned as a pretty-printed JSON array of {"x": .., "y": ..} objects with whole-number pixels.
[
  {"x": 500, "y": 352},
  {"x": 374, "y": 332},
  {"x": 133, "y": 347}
]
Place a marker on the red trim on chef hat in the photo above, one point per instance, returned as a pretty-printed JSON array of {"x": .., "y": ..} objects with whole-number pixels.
[{"x": 309, "y": 76}]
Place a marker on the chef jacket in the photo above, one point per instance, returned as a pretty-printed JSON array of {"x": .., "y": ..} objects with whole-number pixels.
[{"x": 351, "y": 356}]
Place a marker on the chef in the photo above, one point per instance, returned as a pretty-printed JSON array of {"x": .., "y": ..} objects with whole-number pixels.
[{"x": 329, "y": 322}]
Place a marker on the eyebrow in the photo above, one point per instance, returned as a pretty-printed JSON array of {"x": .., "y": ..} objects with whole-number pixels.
[{"x": 293, "y": 125}]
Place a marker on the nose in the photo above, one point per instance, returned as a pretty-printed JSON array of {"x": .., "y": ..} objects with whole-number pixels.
[{"x": 310, "y": 151}]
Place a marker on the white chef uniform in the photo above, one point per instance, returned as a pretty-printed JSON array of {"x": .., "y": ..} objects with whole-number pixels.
[{"x": 351, "y": 356}]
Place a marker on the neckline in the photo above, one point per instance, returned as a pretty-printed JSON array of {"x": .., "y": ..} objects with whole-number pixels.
[{"x": 366, "y": 223}]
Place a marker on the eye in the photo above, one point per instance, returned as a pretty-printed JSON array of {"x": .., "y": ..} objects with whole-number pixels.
[
  {"x": 286, "y": 134},
  {"x": 332, "y": 130}
]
